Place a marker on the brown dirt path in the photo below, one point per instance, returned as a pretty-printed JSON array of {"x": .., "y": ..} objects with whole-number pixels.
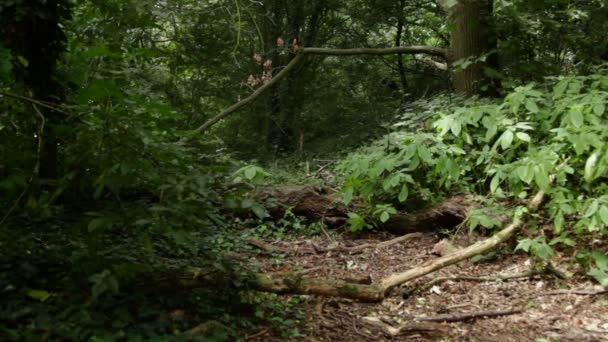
[{"x": 551, "y": 311}]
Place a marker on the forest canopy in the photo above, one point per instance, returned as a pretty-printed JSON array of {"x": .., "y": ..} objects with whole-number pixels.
[{"x": 211, "y": 170}]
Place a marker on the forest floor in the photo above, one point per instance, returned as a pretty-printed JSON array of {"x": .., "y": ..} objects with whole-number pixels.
[{"x": 552, "y": 309}]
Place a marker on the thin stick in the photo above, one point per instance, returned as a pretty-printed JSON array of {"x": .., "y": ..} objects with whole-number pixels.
[
  {"x": 573, "y": 292},
  {"x": 32, "y": 101},
  {"x": 465, "y": 316},
  {"x": 36, "y": 169}
]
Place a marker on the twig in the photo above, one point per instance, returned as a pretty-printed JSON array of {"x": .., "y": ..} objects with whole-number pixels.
[
  {"x": 498, "y": 277},
  {"x": 469, "y": 315},
  {"x": 267, "y": 247},
  {"x": 359, "y": 248},
  {"x": 258, "y": 334},
  {"x": 36, "y": 169},
  {"x": 32, "y": 101},
  {"x": 411, "y": 327},
  {"x": 574, "y": 292}
]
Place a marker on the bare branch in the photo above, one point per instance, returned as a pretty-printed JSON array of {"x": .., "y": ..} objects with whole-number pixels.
[
  {"x": 32, "y": 101},
  {"x": 430, "y": 50}
]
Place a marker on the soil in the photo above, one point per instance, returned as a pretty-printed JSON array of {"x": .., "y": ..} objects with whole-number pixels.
[{"x": 553, "y": 309}]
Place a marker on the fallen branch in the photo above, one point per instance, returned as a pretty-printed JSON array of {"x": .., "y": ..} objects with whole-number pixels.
[{"x": 465, "y": 316}]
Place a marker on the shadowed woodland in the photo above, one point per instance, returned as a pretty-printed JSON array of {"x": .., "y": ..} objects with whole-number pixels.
[{"x": 304, "y": 170}]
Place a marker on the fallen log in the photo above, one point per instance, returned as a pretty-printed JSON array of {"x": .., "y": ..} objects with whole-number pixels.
[{"x": 321, "y": 204}]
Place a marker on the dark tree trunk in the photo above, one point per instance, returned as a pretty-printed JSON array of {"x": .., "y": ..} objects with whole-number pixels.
[
  {"x": 472, "y": 40},
  {"x": 40, "y": 40}
]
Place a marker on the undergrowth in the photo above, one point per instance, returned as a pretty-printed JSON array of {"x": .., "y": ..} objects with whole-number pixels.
[{"x": 503, "y": 152}]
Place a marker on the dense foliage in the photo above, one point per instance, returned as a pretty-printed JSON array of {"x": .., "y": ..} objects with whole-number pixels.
[
  {"x": 508, "y": 150},
  {"x": 106, "y": 189}
]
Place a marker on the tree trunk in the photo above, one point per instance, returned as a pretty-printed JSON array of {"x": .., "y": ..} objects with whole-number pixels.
[
  {"x": 472, "y": 45},
  {"x": 398, "y": 38}
]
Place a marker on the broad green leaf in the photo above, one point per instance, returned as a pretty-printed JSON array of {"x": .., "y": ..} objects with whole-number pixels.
[
  {"x": 348, "y": 195},
  {"x": 531, "y": 106},
  {"x": 250, "y": 173},
  {"x": 384, "y": 217},
  {"x": 524, "y": 245},
  {"x": 506, "y": 139},
  {"x": 403, "y": 193},
  {"x": 526, "y": 173},
  {"x": 494, "y": 183},
  {"x": 541, "y": 178},
  {"x": 558, "y": 222},
  {"x": 576, "y": 118},
  {"x": 560, "y": 88},
  {"x": 40, "y": 295},
  {"x": 592, "y": 209},
  {"x": 601, "y": 260},
  {"x": 604, "y": 214},
  {"x": 599, "y": 108},
  {"x": 523, "y": 136},
  {"x": 456, "y": 127},
  {"x": 98, "y": 223},
  {"x": 590, "y": 167},
  {"x": 600, "y": 275}
]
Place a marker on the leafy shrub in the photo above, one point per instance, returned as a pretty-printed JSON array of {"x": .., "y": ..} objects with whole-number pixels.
[{"x": 507, "y": 150}]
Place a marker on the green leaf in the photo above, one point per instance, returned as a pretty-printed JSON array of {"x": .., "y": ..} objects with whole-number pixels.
[
  {"x": 541, "y": 178},
  {"x": 524, "y": 245},
  {"x": 523, "y": 136},
  {"x": 494, "y": 183},
  {"x": 604, "y": 214},
  {"x": 23, "y": 61},
  {"x": 384, "y": 217},
  {"x": 40, "y": 295},
  {"x": 560, "y": 88},
  {"x": 348, "y": 195},
  {"x": 506, "y": 139},
  {"x": 600, "y": 275},
  {"x": 601, "y": 260},
  {"x": 576, "y": 118},
  {"x": 250, "y": 173},
  {"x": 590, "y": 167},
  {"x": 403, "y": 193},
  {"x": 592, "y": 209},
  {"x": 531, "y": 106},
  {"x": 259, "y": 211},
  {"x": 97, "y": 224},
  {"x": 599, "y": 108},
  {"x": 456, "y": 127},
  {"x": 526, "y": 173},
  {"x": 356, "y": 222}
]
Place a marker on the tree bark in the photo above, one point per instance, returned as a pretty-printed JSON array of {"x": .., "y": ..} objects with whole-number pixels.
[
  {"x": 473, "y": 41},
  {"x": 398, "y": 38}
]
